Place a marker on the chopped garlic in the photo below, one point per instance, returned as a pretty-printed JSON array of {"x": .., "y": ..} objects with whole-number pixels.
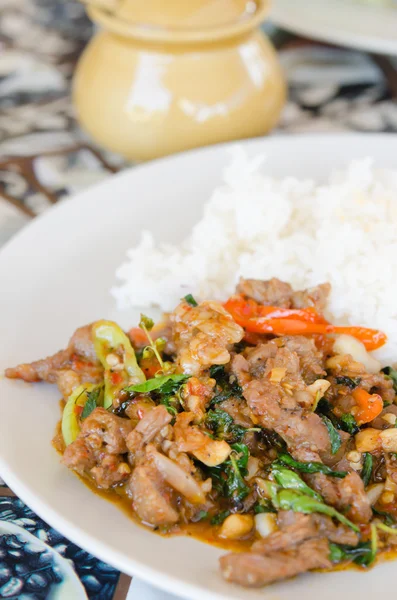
[{"x": 265, "y": 523}]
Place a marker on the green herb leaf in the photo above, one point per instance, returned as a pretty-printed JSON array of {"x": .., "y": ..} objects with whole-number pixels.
[
  {"x": 190, "y": 300},
  {"x": 391, "y": 374},
  {"x": 291, "y": 500},
  {"x": 163, "y": 384},
  {"x": 224, "y": 388},
  {"x": 290, "y": 480},
  {"x": 201, "y": 515},
  {"x": 220, "y": 517},
  {"x": 264, "y": 506},
  {"x": 146, "y": 322},
  {"x": 223, "y": 425},
  {"x": 348, "y": 423},
  {"x": 366, "y": 471},
  {"x": 334, "y": 436},
  {"x": 91, "y": 403},
  {"x": 389, "y": 519},
  {"x": 360, "y": 554},
  {"x": 310, "y": 467},
  {"x": 348, "y": 382},
  {"x": 228, "y": 478}
]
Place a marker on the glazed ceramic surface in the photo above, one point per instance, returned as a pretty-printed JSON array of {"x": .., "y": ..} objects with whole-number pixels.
[
  {"x": 150, "y": 87},
  {"x": 56, "y": 274}
]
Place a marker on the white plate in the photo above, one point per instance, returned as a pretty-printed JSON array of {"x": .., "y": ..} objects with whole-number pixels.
[
  {"x": 55, "y": 275},
  {"x": 345, "y": 22}
]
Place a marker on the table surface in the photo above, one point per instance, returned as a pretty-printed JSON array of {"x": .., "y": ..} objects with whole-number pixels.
[{"x": 44, "y": 156}]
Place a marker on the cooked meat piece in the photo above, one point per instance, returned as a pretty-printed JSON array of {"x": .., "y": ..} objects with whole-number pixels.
[
  {"x": 152, "y": 499},
  {"x": 106, "y": 469},
  {"x": 147, "y": 429},
  {"x": 347, "y": 494},
  {"x": 289, "y": 362},
  {"x": 311, "y": 360},
  {"x": 295, "y": 529},
  {"x": 97, "y": 450},
  {"x": 304, "y": 527},
  {"x": 258, "y": 356},
  {"x": 238, "y": 409},
  {"x": 250, "y": 569},
  {"x": 272, "y": 292},
  {"x": 331, "y": 460},
  {"x": 379, "y": 384},
  {"x": 316, "y": 296},
  {"x": 68, "y": 368},
  {"x": 391, "y": 467},
  {"x": 338, "y": 534},
  {"x": 110, "y": 471},
  {"x": 197, "y": 394},
  {"x": 79, "y": 457},
  {"x": 203, "y": 336},
  {"x": 380, "y": 422},
  {"x": 103, "y": 428}
]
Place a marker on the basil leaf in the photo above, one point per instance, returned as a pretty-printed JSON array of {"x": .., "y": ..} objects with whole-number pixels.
[
  {"x": 190, "y": 300},
  {"x": 161, "y": 384},
  {"x": 360, "y": 554},
  {"x": 223, "y": 425},
  {"x": 289, "y": 480},
  {"x": 367, "y": 468},
  {"x": 91, "y": 403},
  {"x": 334, "y": 436},
  {"x": 348, "y": 381},
  {"x": 220, "y": 517},
  {"x": 310, "y": 467},
  {"x": 290, "y": 500},
  {"x": 348, "y": 423}
]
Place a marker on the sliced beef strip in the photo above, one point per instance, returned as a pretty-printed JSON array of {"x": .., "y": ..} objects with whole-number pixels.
[
  {"x": 347, "y": 494},
  {"x": 380, "y": 422},
  {"x": 316, "y": 296},
  {"x": 295, "y": 528},
  {"x": 275, "y": 292},
  {"x": 68, "y": 368},
  {"x": 98, "y": 450},
  {"x": 310, "y": 358},
  {"x": 147, "y": 428},
  {"x": 306, "y": 437},
  {"x": 251, "y": 569},
  {"x": 153, "y": 500},
  {"x": 272, "y": 292}
]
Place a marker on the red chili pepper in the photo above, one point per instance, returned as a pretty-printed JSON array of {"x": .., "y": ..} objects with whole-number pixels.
[
  {"x": 116, "y": 378},
  {"x": 369, "y": 406},
  {"x": 284, "y": 321}
]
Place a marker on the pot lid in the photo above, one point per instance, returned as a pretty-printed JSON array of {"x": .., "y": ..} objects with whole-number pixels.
[
  {"x": 153, "y": 18},
  {"x": 186, "y": 14}
]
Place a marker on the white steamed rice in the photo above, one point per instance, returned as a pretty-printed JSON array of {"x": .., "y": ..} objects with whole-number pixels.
[{"x": 344, "y": 232}]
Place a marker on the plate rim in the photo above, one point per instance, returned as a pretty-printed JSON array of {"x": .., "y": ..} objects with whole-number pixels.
[
  {"x": 76, "y": 534},
  {"x": 282, "y": 16}
]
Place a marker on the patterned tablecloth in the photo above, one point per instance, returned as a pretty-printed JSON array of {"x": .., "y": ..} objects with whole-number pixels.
[{"x": 44, "y": 156}]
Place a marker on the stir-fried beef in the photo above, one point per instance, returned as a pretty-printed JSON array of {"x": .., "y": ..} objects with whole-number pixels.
[
  {"x": 98, "y": 450},
  {"x": 251, "y": 569},
  {"x": 68, "y": 368},
  {"x": 274, "y": 292},
  {"x": 210, "y": 424},
  {"x": 153, "y": 500}
]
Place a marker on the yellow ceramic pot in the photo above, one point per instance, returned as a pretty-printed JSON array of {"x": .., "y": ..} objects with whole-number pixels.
[{"x": 167, "y": 75}]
